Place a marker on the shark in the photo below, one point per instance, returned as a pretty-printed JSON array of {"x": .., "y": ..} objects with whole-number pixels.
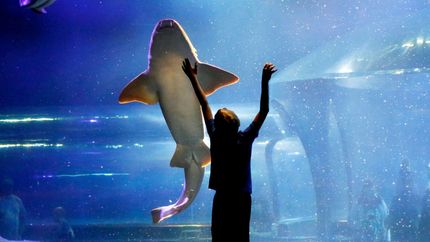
[
  {"x": 37, "y": 6},
  {"x": 164, "y": 82}
]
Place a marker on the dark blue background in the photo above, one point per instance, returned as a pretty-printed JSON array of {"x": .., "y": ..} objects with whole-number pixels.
[{"x": 83, "y": 52}]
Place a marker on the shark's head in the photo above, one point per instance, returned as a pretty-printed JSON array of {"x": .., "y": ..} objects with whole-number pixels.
[{"x": 169, "y": 38}]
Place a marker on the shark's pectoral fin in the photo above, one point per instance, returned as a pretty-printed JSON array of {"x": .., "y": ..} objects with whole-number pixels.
[
  {"x": 185, "y": 154},
  {"x": 140, "y": 89},
  {"x": 212, "y": 78}
]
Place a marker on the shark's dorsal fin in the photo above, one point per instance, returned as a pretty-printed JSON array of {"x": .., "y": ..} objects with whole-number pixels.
[
  {"x": 212, "y": 78},
  {"x": 140, "y": 89}
]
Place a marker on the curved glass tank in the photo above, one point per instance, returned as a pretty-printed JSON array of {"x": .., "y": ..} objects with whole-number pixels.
[
  {"x": 360, "y": 107},
  {"x": 349, "y": 108}
]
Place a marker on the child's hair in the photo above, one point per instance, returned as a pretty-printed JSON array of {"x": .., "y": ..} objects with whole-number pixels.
[{"x": 226, "y": 121}]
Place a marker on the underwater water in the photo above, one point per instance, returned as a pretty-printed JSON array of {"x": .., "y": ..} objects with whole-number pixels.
[
  {"x": 104, "y": 165},
  {"x": 350, "y": 102}
]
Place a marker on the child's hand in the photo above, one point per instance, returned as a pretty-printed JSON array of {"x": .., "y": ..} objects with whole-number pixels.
[
  {"x": 268, "y": 70},
  {"x": 189, "y": 71}
]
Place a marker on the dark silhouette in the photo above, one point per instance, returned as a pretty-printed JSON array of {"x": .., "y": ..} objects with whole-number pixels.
[
  {"x": 12, "y": 212},
  {"x": 424, "y": 224},
  {"x": 368, "y": 216},
  {"x": 404, "y": 208},
  {"x": 230, "y": 156},
  {"x": 62, "y": 229}
]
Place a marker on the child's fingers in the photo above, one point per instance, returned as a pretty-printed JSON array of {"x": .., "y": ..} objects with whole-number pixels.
[{"x": 188, "y": 62}]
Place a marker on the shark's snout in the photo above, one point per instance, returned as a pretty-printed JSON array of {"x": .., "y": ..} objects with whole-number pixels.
[{"x": 167, "y": 24}]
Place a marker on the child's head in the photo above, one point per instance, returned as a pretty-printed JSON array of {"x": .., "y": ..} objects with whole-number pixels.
[{"x": 226, "y": 122}]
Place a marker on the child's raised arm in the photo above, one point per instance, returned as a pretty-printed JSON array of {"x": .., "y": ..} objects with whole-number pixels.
[
  {"x": 192, "y": 75},
  {"x": 268, "y": 70}
]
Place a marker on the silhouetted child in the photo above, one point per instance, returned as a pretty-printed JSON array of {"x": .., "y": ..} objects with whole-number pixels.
[
  {"x": 404, "y": 208},
  {"x": 230, "y": 161},
  {"x": 368, "y": 216},
  {"x": 62, "y": 229},
  {"x": 12, "y": 212}
]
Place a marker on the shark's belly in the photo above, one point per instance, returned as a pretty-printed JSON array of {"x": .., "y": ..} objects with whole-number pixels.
[{"x": 181, "y": 110}]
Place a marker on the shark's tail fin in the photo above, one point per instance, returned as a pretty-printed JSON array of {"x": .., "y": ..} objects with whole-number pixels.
[
  {"x": 192, "y": 159},
  {"x": 184, "y": 154}
]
